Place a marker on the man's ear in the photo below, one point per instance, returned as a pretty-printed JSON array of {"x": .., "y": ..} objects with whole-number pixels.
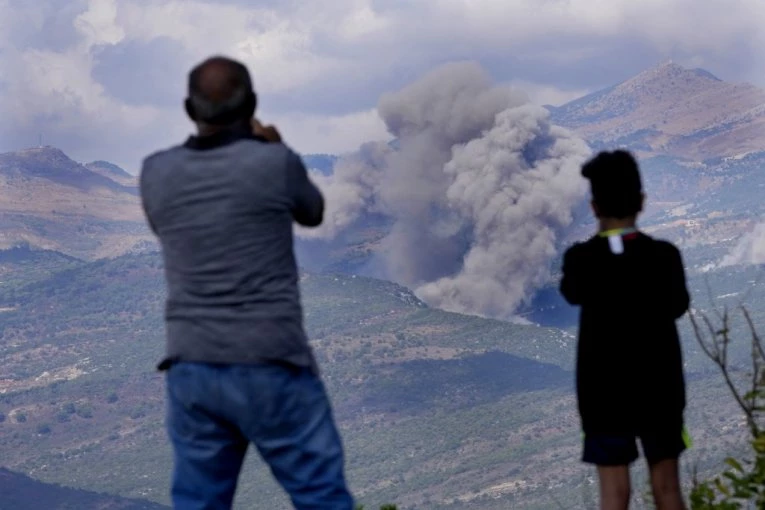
[{"x": 189, "y": 107}]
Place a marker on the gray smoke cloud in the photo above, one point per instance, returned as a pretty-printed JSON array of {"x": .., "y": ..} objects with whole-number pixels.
[
  {"x": 750, "y": 249},
  {"x": 478, "y": 188},
  {"x": 351, "y": 190}
]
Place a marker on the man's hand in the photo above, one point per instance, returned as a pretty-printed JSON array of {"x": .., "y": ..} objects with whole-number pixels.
[{"x": 268, "y": 132}]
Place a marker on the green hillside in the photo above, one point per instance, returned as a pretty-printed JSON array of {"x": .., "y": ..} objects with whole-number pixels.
[{"x": 436, "y": 409}]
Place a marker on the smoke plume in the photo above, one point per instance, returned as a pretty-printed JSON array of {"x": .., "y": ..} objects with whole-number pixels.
[
  {"x": 750, "y": 249},
  {"x": 478, "y": 187}
]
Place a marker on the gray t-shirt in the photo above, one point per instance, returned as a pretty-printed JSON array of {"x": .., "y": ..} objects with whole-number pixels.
[{"x": 222, "y": 207}]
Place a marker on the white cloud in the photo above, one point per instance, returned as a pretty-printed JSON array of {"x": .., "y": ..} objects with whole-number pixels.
[
  {"x": 321, "y": 66},
  {"x": 281, "y": 46},
  {"x": 98, "y": 25},
  {"x": 330, "y": 134},
  {"x": 52, "y": 93}
]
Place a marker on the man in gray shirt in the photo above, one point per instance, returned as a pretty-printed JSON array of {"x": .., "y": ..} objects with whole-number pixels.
[{"x": 239, "y": 367}]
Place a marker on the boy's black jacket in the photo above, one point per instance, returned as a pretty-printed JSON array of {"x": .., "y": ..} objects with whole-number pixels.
[{"x": 629, "y": 361}]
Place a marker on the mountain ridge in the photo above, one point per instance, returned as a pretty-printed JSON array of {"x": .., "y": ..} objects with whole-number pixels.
[
  {"x": 53, "y": 164},
  {"x": 113, "y": 172},
  {"x": 672, "y": 110},
  {"x": 51, "y": 202}
]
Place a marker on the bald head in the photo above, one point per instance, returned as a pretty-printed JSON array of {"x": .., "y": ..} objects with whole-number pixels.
[{"x": 220, "y": 93}]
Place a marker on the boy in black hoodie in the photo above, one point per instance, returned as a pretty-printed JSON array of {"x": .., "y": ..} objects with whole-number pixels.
[{"x": 629, "y": 373}]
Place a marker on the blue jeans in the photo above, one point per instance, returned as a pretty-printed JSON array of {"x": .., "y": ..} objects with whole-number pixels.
[{"x": 216, "y": 411}]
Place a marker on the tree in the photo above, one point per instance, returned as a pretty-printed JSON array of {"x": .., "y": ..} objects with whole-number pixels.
[{"x": 742, "y": 485}]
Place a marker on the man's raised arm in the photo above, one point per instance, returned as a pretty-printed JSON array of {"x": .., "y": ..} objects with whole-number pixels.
[{"x": 307, "y": 200}]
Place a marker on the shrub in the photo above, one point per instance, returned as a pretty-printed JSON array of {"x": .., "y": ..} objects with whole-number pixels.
[
  {"x": 85, "y": 411},
  {"x": 742, "y": 484}
]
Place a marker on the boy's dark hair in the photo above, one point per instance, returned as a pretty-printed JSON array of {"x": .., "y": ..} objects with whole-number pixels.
[{"x": 615, "y": 183}]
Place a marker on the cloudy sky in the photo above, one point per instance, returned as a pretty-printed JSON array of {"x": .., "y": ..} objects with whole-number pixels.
[{"x": 104, "y": 79}]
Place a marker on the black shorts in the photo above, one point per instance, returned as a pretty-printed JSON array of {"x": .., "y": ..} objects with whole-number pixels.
[{"x": 621, "y": 450}]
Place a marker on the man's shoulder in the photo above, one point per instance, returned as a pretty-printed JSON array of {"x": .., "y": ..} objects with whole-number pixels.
[{"x": 159, "y": 158}]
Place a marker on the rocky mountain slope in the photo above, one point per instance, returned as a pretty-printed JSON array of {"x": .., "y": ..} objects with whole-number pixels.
[
  {"x": 88, "y": 211},
  {"x": 672, "y": 110},
  {"x": 49, "y": 201},
  {"x": 113, "y": 172}
]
